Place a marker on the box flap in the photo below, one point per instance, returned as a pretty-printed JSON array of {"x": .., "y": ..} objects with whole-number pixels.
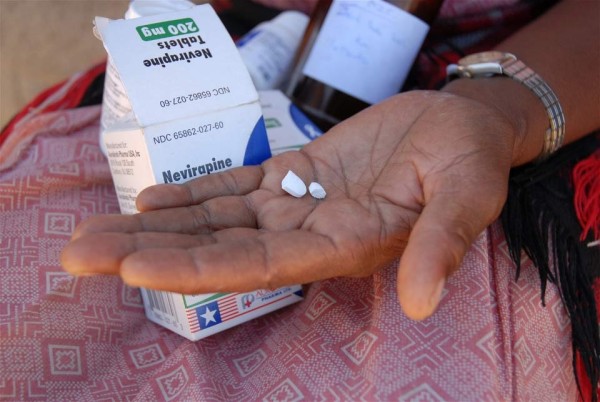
[{"x": 177, "y": 65}]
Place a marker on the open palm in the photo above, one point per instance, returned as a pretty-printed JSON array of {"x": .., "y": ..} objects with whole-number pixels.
[{"x": 418, "y": 177}]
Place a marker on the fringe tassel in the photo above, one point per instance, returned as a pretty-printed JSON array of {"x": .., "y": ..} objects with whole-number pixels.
[
  {"x": 586, "y": 180},
  {"x": 539, "y": 218}
]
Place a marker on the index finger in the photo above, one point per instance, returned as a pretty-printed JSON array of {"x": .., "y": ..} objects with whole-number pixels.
[{"x": 237, "y": 181}]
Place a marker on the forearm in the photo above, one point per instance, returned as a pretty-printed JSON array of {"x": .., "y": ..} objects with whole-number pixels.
[{"x": 563, "y": 47}]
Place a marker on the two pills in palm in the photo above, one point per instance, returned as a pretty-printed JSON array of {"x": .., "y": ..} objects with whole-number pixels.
[{"x": 293, "y": 185}]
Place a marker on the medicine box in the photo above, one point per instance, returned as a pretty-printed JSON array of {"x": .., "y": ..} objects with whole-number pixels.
[{"x": 195, "y": 112}]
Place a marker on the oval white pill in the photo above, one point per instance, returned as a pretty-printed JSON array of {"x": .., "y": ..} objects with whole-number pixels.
[
  {"x": 293, "y": 185},
  {"x": 316, "y": 190}
]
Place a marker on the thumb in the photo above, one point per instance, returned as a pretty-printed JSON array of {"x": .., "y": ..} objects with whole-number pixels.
[{"x": 437, "y": 244}]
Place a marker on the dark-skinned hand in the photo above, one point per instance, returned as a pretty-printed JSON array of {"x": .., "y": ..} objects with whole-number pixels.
[{"x": 418, "y": 177}]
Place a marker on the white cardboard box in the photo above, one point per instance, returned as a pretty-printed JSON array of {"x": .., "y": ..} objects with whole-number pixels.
[{"x": 196, "y": 112}]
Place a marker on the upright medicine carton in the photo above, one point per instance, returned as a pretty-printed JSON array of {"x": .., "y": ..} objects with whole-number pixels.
[{"x": 195, "y": 112}]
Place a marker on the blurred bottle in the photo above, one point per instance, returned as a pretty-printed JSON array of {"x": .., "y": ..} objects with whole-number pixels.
[
  {"x": 268, "y": 50},
  {"x": 356, "y": 53},
  {"x": 115, "y": 103}
]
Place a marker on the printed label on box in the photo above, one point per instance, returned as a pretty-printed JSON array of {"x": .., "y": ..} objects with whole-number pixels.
[
  {"x": 196, "y": 317},
  {"x": 287, "y": 127},
  {"x": 177, "y": 64}
]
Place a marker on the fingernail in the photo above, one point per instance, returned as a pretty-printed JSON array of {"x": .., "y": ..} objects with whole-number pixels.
[{"x": 436, "y": 295}]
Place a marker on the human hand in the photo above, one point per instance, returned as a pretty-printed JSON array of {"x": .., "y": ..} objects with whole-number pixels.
[{"x": 418, "y": 176}]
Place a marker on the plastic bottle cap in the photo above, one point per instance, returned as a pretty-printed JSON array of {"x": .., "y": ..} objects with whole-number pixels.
[
  {"x": 292, "y": 21},
  {"x": 143, "y": 8}
]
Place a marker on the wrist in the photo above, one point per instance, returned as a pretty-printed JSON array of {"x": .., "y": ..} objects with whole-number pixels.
[{"x": 517, "y": 104}]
